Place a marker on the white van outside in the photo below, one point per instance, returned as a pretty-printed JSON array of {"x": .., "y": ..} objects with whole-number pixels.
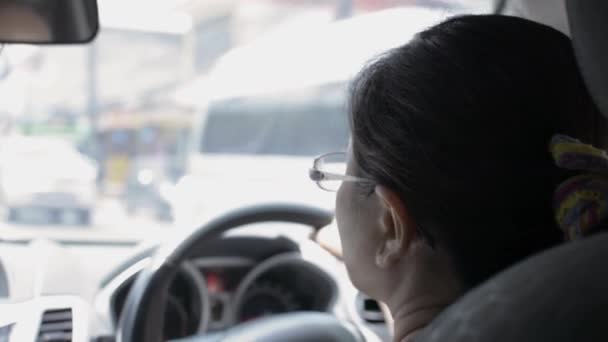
[{"x": 261, "y": 102}]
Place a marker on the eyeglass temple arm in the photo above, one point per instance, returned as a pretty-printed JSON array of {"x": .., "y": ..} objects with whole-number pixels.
[{"x": 318, "y": 175}]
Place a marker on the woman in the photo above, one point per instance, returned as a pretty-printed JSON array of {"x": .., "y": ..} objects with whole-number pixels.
[{"x": 450, "y": 179}]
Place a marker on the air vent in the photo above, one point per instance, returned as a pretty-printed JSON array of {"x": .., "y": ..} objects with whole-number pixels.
[
  {"x": 369, "y": 309},
  {"x": 56, "y": 326}
]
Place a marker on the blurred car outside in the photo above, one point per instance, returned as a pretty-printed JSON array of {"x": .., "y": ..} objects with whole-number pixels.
[
  {"x": 46, "y": 180},
  {"x": 268, "y": 108},
  {"x": 148, "y": 190}
]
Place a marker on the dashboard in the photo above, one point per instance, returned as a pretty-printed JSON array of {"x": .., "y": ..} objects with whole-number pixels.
[
  {"x": 80, "y": 291},
  {"x": 234, "y": 281}
]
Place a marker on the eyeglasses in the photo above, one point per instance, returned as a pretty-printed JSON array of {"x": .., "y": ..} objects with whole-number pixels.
[{"x": 329, "y": 171}]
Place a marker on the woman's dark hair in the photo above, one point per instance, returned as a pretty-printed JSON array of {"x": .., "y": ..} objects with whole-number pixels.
[{"x": 458, "y": 123}]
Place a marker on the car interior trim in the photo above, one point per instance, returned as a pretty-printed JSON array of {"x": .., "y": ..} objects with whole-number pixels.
[
  {"x": 201, "y": 286},
  {"x": 26, "y": 316},
  {"x": 228, "y": 261},
  {"x": 105, "y": 297},
  {"x": 273, "y": 262}
]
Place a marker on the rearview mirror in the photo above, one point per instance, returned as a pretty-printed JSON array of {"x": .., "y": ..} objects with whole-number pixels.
[{"x": 48, "y": 21}]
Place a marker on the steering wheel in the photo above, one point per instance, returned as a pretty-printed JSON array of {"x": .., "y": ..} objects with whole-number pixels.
[{"x": 142, "y": 318}]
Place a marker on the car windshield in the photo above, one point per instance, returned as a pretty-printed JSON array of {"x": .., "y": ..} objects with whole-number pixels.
[{"x": 182, "y": 110}]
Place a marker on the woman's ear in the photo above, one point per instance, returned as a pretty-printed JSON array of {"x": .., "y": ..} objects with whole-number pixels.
[{"x": 397, "y": 228}]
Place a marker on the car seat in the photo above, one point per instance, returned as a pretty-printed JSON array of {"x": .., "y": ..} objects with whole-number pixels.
[{"x": 561, "y": 294}]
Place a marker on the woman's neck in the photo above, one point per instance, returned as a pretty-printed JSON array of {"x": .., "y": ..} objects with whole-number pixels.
[
  {"x": 408, "y": 323},
  {"x": 425, "y": 286}
]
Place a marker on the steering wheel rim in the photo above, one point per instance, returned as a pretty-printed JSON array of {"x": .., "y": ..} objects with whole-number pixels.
[{"x": 142, "y": 317}]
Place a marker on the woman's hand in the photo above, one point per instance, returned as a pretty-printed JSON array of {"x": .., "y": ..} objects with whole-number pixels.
[{"x": 329, "y": 239}]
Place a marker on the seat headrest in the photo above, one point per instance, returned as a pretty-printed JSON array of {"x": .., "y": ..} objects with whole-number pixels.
[
  {"x": 588, "y": 21},
  {"x": 559, "y": 295}
]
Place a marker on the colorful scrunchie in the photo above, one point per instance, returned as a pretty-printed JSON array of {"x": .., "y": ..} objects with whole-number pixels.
[{"x": 580, "y": 202}]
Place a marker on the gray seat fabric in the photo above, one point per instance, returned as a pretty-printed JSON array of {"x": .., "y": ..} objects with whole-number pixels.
[
  {"x": 588, "y": 21},
  {"x": 559, "y": 295}
]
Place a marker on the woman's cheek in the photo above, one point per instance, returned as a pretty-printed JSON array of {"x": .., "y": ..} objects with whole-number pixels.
[
  {"x": 342, "y": 209},
  {"x": 354, "y": 235}
]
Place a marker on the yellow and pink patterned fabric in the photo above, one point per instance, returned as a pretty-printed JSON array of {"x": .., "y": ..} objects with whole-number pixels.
[{"x": 580, "y": 202}]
